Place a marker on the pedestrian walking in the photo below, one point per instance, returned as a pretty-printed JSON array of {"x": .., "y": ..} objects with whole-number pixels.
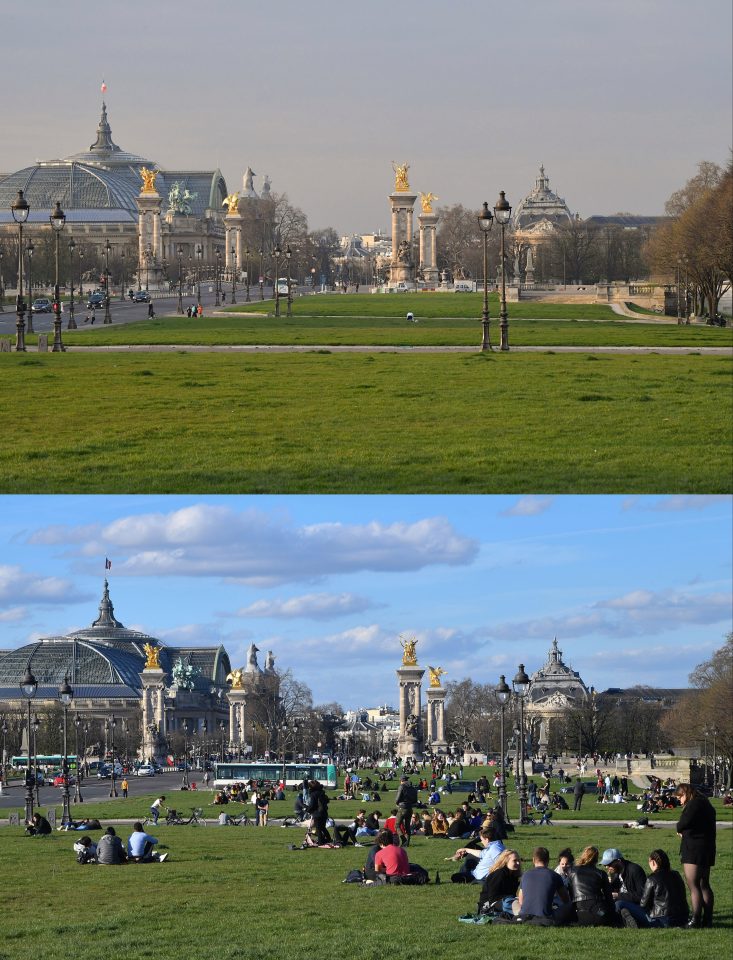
[{"x": 124, "y": 786}]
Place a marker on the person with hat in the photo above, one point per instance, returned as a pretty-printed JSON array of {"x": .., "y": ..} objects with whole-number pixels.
[
  {"x": 405, "y": 800},
  {"x": 627, "y": 879}
]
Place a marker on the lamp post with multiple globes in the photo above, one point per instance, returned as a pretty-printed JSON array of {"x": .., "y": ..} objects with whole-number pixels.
[
  {"x": 66, "y": 695},
  {"x": 502, "y": 692},
  {"x": 485, "y": 222},
  {"x": 58, "y": 221},
  {"x": 502, "y": 215},
  {"x": 71, "y": 325},
  {"x": 29, "y": 687},
  {"x": 521, "y": 688},
  {"x": 20, "y": 210}
]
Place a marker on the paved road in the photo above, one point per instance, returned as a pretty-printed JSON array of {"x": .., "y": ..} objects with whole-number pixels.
[
  {"x": 121, "y": 311},
  {"x": 94, "y": 789},
  {"x": 383, "y": 348}
]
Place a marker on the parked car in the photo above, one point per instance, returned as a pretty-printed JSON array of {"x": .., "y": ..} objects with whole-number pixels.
[
  {"x": 58, "y": 780},
  {"x": 141, "y": 296},
  {"x": 95, "y": 300},
  {"x": 145, "y": 770},
  {"x": 42, "y": 305}
]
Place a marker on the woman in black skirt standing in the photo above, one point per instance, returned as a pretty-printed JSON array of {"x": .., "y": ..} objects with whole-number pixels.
[{"x": 696, "y": 828}]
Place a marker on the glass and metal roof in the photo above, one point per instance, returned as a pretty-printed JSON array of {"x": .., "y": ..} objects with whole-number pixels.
[{"x": 100, "y": 184}]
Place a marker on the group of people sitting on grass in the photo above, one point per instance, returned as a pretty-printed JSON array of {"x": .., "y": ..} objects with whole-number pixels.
[
  {"x": 110, "y": 851},
  {"x": 578, "y": 891}
]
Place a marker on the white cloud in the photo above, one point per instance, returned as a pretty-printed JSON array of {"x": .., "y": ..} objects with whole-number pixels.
[
  {"x": 13, "y": 615},
  {"x": 18, "y": 585},
  {"x": 528, "y": 507},
  {"x": 249, "y": 547},
  {"x": 676, "y": 504},
  {"x": 312, "y": 606},
  {"x": 638, "y": 613}
]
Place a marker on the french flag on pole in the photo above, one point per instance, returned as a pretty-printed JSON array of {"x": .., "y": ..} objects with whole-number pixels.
[
  {"x": 107, "y": 563},
  {"x": 104, "y": 87}
]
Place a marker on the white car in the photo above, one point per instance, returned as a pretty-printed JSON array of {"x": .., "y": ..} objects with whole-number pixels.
[{"x": 145, "y": 770}]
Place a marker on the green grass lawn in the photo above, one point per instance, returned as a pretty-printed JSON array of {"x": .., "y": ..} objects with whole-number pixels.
[
  {"x": 372, "y": 320},
  {"x": 365, "y": 423},
  {"x": 232, "y": 893}
]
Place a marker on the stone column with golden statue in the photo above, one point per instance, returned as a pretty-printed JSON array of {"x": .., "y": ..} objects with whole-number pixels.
[
  {"x": 402, "y": 201},
  {"x": 233, "y": 228},
  {"x": 150, "y": 240},
  {"x": 153, "y": 701},
  {"x": 411, "y": 740},
  {"x": 428, "y": 246},
  {"x": 237, "y": 699},
  {"x": 435, "y": 695}
]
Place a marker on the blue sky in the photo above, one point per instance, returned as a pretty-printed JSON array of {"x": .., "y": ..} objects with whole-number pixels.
[
  {"x": 637, "y": 589},
  {"x": 619, "y": 100}
]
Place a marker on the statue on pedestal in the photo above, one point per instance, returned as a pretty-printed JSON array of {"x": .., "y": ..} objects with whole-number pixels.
[
  {"x": 148, "y": 177},
  {"x": 409, "y": 656},
  {"x": 401, "y": 184},
  {"x": 426, "y": 199},
  {"x": 435, "y": 675}
]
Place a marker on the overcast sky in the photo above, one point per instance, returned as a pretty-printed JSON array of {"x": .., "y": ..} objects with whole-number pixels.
[
  {"x": 637, "y": 590},
  {"x": 619, "y": 99}
]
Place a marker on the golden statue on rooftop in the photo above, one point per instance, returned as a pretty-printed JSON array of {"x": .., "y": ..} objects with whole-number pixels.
[
  {"x": 401, "y": 183},
  {"x": 152, "y": 656},
  {"x": 426, "y": 199},
  {"x": 231, "y": 203},
  {"x": 435, "y": 674},
  {"x": 236, "y": 679},
  {"x": 148, "y": 180},
  {"x": 409, "y": 656}
]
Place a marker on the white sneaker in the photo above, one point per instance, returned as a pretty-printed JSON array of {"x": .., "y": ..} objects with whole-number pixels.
[{"x": 162, "y": 858}]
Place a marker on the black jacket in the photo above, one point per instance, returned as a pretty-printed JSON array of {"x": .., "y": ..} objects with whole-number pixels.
[
  {"x": 664, "y": 896},
  {"x": 499, "y": 884},
  {"x": 318, "y": 803},
  {"x": 697, "y": 826},
  {"x": 406, "y": 796},
  {"x": 629, "y": 882},
  {"x": 579, "y": 789},
  {"x": 590, "y": 891}
]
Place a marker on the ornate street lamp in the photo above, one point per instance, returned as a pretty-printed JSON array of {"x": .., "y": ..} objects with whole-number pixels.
[
  {"x": 199, "y": 257},
  {"x": 20, "y": 210},
  {"x": 234, "y": 275},
  {"x": 217, "y": 286},
  {"x": 107, "y": 314},
  {"x": 110, "y": 725},
  {"x": 72, "y": 322},
  {"x": 485, "y": 222},
  {"x": 4, "y": 730},
  {"x": 122, "y": 278},
  {"x": 36, "y": 727},
  {"x": 81, "y": 275},
  {"x": 222, "y": 728},
  {"x": 179, "y": 252},
  {"x": 247, "y": 254},
  {"x": 66, "y": 695},
  {"x": 262, "y": 276},
  {"x": 502, "y": 215},
  {"x": 277, "y": 253},
  {"x": 254, "y": 750},
  {"x": 78, "y": 798},
  {"x": 2, "y": 288},
  {"x": 184, "y": 782},
  {"x": 29, "y": 248},
  {"x": 521, "y": 687},
  {"x": 288, "y": 256},
  {"x": 29, "y": 687},
  {"x": 502, "y": 692},
  {"x": 58, "y": 221}
]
